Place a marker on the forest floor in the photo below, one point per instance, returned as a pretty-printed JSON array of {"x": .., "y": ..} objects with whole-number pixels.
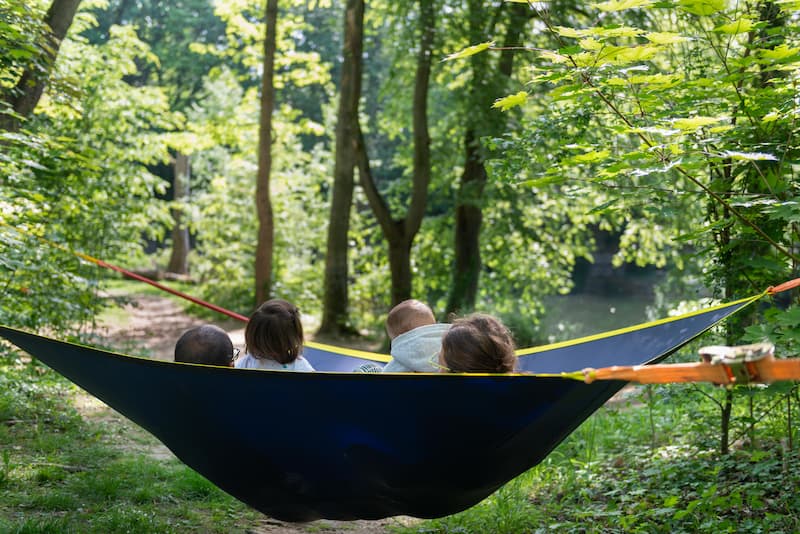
[{"x": 149, "y": 325}]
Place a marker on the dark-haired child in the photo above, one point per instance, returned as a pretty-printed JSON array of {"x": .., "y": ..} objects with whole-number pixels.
[
  {"x": 478, "y": 344},
  {"x": 206, "y": 344},
  {"x": 274, "y": 339}
]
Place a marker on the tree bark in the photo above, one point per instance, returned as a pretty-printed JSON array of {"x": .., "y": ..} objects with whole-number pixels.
[
  {"x": 335, "y": 298},
  {"x": 400, "y": 233},
  {"x": 469, "y": 218},
  {"x": 29, "y": 88},
  {"x": 266, "y": 226},
  {"x": 179, "y": 259},
  {"x": 469, "y": 211}
]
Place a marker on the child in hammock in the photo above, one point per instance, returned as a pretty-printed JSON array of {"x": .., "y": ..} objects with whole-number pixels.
[
  {"x": 206, "y": 344},
  {"x": 478, "y": 344},
  {"x": 274, "y": 339},
  {"x": 415, "y": 338}
]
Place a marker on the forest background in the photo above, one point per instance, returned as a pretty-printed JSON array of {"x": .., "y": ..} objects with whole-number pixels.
[{"x": 345, "y": 156}]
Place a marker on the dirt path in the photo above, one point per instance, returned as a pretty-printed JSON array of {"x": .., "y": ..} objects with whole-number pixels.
[{"x": 149, "y": 326}]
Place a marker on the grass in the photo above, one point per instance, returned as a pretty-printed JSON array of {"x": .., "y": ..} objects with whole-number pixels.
[{"x": 61, "y": 472}]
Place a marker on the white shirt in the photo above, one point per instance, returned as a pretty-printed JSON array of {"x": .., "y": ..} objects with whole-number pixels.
[{"x": 249, "y": 361}]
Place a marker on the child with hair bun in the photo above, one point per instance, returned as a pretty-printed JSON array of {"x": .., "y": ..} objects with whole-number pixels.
[{"x": 274, "y": 339}]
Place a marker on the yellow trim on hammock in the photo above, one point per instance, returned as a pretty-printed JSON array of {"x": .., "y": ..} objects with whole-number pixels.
[
  {"x": 354, "y": 353},
  {"x": 642, "y": 326}
]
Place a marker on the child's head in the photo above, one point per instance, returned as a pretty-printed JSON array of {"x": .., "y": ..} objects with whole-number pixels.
[
  {"x": 274, "y": 331},
  {"x": 206, "y": 344},
  {"x": 406, "y": 316},
  {"x": 478, "y": 344}
]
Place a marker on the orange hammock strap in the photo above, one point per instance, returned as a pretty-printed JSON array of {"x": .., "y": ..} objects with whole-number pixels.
[{"x": 744, "y": 364}]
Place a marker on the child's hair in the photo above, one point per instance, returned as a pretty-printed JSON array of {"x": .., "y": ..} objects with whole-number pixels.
[
  {"x": 275, "y": 332},
  {"x": 206, "y": 344},
  {"x": 478, "y": 344},
  {"x": 408, "y": 315}
]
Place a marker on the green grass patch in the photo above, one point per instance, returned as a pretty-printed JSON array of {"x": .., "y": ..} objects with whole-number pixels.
[{"x": 63, "y": 473}]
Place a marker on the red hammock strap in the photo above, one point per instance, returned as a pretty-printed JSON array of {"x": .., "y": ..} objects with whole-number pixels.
[
  {"x": 791, "y": 284},
  {"x": 162, "y": 287}
]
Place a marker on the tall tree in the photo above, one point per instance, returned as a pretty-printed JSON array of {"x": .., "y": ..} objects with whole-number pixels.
[
  {"x": 30, "y": 86},
  {"x": 335, "y": 297},
  {"x": 469, "y": 214},
  {"x": 399, "y": 233},
  {"x": 266, "y": 229}
]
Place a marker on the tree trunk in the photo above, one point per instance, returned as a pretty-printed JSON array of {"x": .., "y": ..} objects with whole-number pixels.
[
  {"x": 266, "y": 229},
  {"x": 179, "y": 259},
  {"x": 469, "y": 218},
  {"x": 400, "y": 233},
  {"x": 26, "y": 94},
  {"x": 469, "y": 215},
  {"x": 335, "y": 299}
]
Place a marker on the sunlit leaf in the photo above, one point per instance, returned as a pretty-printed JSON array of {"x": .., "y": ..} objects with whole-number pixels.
[
  {"x": 615, "y": 32},
  {"x": 749, "y": 156},
  {"x": 590, "y": 44},
  {"x": 779, "y": 52},
  {"x": 554, "y": 56},
  {"x": 771, "y": 116},
  {"x": 743, "y": 25},
  {"x": 591, "y": 157},
  {"x": 625, "y": 55},
  {"x": 506, "y": 103},
  {"x": 664, "y": 38},
  {"x": 470, "y": 51},
  {"x": 570, "y": 32},
  {"x": 703, "y": 7},
  {"x": 619, "y": 5},
  {"x": 694, "y": 123}
]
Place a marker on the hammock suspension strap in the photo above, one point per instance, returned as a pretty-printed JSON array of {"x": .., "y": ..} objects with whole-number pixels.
[{"x": 722, "y": 365}]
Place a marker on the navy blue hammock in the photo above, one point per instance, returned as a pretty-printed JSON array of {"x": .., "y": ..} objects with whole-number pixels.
[{"x": 341, "y": 445}]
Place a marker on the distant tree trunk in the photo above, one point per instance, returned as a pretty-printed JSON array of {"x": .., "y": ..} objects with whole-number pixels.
[
  {"x": 179, "y": 259},
  {"x": 400, "y": 233},
  {"x": 266, "y": 229},
  {"x": 335, "y": 298},
  {"x": 469, "y": 218},
  {"x": 26, "y": 94},
  {"x": 469, "y": 210}
]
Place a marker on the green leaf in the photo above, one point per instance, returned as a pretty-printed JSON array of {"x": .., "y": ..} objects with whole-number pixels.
[
  {"x": 511, "y": 101},
  {"x": 694, "y": 123},
  {"x": 779, "y": 52},
  {"x": 743, "y": 25},
  {"x": 620, "y": 5},
  {"x": 544, "y": 181},
  {"x": 703, "y": 7},
  {"x": 749, "y": 156},
  {"x": 470, "y": 51},
  {"x": 664, "y": 38},
  {"x": 591, "y": 157}
]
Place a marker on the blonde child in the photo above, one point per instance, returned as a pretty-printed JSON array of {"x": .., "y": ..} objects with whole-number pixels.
[{"x": 415, "y": 337}]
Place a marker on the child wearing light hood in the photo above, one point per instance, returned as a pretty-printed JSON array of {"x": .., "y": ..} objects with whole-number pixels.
[{"x": 416, "y": 338}]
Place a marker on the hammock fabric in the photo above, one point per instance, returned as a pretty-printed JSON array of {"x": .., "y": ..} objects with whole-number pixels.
[{"x": 341, "y": 445}]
